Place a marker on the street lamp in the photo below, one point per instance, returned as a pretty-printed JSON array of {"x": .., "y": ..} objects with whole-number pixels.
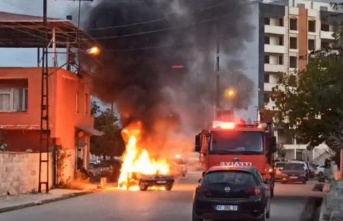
[
  {"x": 229, "y": 93},
  {"x": 93, "y": 51}
]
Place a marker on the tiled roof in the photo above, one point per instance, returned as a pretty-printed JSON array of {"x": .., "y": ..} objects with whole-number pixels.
[{"x": 7, "y": 16}]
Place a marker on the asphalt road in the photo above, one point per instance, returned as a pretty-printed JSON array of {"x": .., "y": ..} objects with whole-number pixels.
[{"x": 113, "y": 205}]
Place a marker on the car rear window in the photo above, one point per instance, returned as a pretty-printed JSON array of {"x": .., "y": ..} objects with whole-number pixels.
[
  {"x": 232, "y": 177},
  {"x": 293, "y": 166},
  {"x": 279, "y": 164}
]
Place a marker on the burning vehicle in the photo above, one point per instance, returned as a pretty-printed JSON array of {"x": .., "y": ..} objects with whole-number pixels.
[
  {"x": 144, "y": 181},
  {"x": 140, "y": 170}
]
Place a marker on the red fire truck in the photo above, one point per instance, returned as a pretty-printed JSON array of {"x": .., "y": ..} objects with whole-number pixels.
[{"x": 238, "y": 144}]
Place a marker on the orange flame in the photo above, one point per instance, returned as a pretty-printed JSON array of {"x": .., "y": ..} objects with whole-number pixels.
[{"x": 137, "y": 159}]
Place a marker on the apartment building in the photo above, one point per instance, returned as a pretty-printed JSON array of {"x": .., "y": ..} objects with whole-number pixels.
[{"x": 289, "y": 31}]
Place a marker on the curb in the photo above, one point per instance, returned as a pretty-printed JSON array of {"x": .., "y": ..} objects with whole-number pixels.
[{"x": 38, "y": 203}]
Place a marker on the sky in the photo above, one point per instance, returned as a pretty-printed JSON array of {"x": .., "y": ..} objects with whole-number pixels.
[{"x": 61, "y": 8}]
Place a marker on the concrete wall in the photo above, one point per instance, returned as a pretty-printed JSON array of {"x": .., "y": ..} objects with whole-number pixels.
[{"x": 19, "y": 172}]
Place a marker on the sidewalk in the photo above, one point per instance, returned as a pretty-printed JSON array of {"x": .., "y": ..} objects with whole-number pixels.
[{"x": 10, "y": 203}]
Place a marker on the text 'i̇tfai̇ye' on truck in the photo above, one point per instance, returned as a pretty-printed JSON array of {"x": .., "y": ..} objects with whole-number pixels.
[{"x": 238, "y": 144}]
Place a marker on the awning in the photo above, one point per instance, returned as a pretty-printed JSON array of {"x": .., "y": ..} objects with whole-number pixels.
[{"x": 90, "y": 131}]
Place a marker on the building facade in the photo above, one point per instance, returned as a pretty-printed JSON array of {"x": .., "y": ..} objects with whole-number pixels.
[
  {"x": 289, "y": 31},
  {"x": 71, "y": 122}
]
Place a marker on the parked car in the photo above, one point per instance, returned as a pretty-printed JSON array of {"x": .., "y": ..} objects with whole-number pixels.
[
  {"x": 294, "y": 172},
  {"x": 320, "y": 171},
  {"x": 309, "y": 172},
  {"x": 99, "y": 170},
  {"x": 182, "y": 165}
]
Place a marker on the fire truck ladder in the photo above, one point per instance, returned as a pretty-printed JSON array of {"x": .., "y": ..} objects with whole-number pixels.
[{"x": 43, "y": 173}]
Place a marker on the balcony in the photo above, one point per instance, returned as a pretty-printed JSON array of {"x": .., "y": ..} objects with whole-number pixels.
[
  {"x": 326, "y": 35},
  {"x": 276, "y": 49},
  {"x": 275, "y": 68},
  {"x": 268, "y": 86},
  {"x": 303, "y": 147},
  {"x": 271, "y": 29}
]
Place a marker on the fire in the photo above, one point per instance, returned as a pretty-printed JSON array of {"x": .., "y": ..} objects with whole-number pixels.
[{"x": 136, "y": 159}]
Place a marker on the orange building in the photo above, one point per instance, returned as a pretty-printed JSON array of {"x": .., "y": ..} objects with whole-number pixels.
[{"x": 71, "y": 122}]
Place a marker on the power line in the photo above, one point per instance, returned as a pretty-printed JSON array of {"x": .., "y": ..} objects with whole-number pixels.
[
  {"x": 161, "y": 30},
  {"x": 143, "y": 33},
  {"x": 152, "y": 21}
]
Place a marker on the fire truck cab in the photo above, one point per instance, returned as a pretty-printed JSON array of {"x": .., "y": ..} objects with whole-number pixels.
[{"x": 238, "y": 144}]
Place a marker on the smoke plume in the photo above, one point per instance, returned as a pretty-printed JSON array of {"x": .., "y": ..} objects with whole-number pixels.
[{"x": 142, "y": 40}]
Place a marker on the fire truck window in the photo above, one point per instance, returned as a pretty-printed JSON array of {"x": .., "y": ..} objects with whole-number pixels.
[{"x": 232, "y": 142}]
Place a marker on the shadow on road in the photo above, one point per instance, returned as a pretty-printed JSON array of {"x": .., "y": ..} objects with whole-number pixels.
[{"x": 312, "y": 209}]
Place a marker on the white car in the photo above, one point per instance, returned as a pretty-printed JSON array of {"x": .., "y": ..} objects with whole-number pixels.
[{"x": 319, "y": 170}]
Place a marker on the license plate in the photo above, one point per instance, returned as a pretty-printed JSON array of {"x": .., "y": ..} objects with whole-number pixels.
[
  {"x": 294, "y": 177},
  {"x": 226, "y": 208},
  {"x": 161, "y": 182}
]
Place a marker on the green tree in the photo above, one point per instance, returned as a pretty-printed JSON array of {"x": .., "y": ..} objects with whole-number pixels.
[
  {"x": 95, "y": 108},
  {"x": 310, "y": 102},
  {"x": 111, "y": 143}
]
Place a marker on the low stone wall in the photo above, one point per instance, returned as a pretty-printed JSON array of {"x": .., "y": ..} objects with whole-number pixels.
[
  {"x": 19, "y": 172},
  {"x": 332, "y": 207}
]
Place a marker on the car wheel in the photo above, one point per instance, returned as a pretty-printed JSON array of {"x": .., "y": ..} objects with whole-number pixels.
[
  {"x": 194, "y": 218},
  {"x": 304, "y": 182},
  {"x": 268, "y": 212},
  {"x": 143, "y": 187},
  {"x": 320, "y": 174},
  {"x": 169, "y": 187},
  {"x": 263, "y": 218}
]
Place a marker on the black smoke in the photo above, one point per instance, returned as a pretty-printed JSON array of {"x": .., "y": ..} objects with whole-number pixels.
[{"x": 143, "y": 39}]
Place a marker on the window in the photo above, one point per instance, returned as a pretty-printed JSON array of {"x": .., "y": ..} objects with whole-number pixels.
[
  {"x": 266, "y": 59},
  {"x": 293, "y": 24},
  {"x": 266, "y": 78},
  {"x": 293, "y": 44},
  {"x": 323, "y": 8},
  {"x": 267, "y": 21},
  {"x": 281, "y": 40},
  {"x": 325, "y": 27},
  {"x": 281, "y": 22},
  {"x": 266, "y": 98},
  {"x": 293, "y": 166},
  {"x": 230, "y": 177},
  {"x": 13, "y": 99},
  {"x": 236, "y": 142},
  {"x": 301, "y": 5},
  {"x": 311, "y": 45},
  {"x": 312, "y": 26},
  {"x": 281, "y": 59},
  {"x": 86, "y": 104},
  {"x": 77, "y": 102},
  {"x": 293, "y": 62},
  {"x": 266, "y": 40},
  {"x": 325, "y": 45}
]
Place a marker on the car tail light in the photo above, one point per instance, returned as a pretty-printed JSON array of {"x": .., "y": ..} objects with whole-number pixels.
[
  {"x": 203, "y": 191},
  {"x": 254, "y": 191}
]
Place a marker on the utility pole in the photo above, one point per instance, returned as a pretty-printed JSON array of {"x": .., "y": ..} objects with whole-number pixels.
[
  {"x": 44, "y": 138},
  {"x": 112, "y": 108},
  {"x": 217, "y": 79},
  {"x": 44, "y": 144}
]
